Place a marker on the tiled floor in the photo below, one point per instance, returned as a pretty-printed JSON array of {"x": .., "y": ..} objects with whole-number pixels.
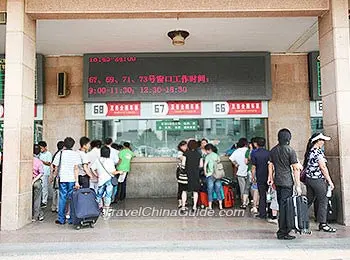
[
  {"x": 168, "y": 237},
  {"x": 141, "y": 227}
]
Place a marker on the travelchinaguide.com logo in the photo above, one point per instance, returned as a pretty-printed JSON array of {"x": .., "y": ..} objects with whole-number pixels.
[{"x": 163, "y": 212}]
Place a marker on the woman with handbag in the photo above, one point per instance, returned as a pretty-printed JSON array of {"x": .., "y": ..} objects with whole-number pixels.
[
  {"x": 318, "y": 180},
  {"x": 105, "y": 170}
]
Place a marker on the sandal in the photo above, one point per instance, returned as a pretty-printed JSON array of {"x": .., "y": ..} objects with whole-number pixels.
[{"x": 326, "y": 228}]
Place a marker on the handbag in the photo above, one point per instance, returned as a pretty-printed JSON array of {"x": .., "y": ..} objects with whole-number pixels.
[
  {"x": 303, "y": 175},
  {"x": 56, "y": 181},
  {"x": 114, "y": 179},
  {"x": 219, "y": 171},
  {"x": 269, "y": 194}
]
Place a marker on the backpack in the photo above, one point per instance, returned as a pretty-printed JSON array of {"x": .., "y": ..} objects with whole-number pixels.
[{"x": 219, "y": 171}]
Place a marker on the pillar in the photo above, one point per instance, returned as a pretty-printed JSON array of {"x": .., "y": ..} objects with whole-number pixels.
[
  {"x": 335, "y": 70},
  {"x": 19, "y": 117}
]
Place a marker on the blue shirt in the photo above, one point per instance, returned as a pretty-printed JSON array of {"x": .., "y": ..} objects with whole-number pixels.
[{"x": 260, "y": 159}]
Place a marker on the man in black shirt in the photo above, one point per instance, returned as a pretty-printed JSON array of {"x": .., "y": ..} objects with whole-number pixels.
[
  {"x": 260, "y": 160},
  {"x": 282, "y": 159}
]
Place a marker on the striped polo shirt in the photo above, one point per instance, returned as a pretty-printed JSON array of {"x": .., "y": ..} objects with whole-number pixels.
[{"x": 69, "y": 160}]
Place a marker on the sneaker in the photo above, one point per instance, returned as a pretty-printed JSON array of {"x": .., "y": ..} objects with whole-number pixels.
[
  {"x": 33, "y": 220},
  {"x": 41, "y": 218},
  {"x": 43, "y": 205},
  {"x": 273, "y": 221},
  {"x": 254, "y": 210}
]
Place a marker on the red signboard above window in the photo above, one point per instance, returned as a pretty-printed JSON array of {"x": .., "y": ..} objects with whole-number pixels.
[{"x": 245, "y": 107}]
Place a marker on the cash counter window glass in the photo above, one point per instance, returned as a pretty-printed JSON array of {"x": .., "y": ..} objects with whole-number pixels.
[{"x": 159, "y": 138}]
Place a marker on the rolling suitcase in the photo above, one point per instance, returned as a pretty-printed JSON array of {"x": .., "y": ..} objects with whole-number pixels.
[
  {"x": 84, "y": 209},
  {"x": 297, "y": 214},
  {"x": 203, "y": 199},
  {"x": 229, "y": 198}
]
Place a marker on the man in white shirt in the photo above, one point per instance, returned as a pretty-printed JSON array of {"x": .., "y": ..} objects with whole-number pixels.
[
  {"x": 114, "y": 153},
  {"x": 84, "y": 171},
  {"x": 238, "y": 159},
  {"x": 68, "y": 170},
  {"x": 94, "y": 155},
  {"x": 46, "y": 157}
]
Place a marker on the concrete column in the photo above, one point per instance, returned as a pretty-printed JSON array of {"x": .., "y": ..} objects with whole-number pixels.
[
  {"x": 19, "y": 117},
  {"x": 335, "y": 70}
]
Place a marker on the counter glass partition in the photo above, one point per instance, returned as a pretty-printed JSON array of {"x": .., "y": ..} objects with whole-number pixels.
[{"x": 159, "y": 138}]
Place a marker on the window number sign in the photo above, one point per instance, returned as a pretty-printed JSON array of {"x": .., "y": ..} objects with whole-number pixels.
[
  {"x": 99, "y": 109},
  {"x": 160, "y": 108},
  {"x": 220, "y": 108}
]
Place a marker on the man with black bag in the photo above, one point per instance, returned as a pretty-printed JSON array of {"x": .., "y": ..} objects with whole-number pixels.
[{"x": 282, "y": 160}]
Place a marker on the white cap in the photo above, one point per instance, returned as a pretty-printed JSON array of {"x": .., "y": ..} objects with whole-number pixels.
[{"x": 320, "y": 137}]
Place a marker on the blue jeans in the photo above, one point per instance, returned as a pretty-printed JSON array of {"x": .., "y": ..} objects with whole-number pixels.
[
  {"x": 105, "y": 191},
  {"x": 212, "y": 184},
  {"x": 66, "y": 190}
]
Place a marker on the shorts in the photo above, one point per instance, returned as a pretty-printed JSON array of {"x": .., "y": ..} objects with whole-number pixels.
[
  {"x": 244, "y": 185},
  {"x": 182, "y": 187}
]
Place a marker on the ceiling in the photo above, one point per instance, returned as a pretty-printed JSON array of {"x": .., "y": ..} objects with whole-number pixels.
[{"x": 75, "y": 37}]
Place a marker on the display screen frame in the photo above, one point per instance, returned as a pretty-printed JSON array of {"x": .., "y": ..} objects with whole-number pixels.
[{"x": 166, "y": 57}]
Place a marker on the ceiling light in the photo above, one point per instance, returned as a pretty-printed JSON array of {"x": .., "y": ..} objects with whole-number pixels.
[{"x": 178, "y": 37}]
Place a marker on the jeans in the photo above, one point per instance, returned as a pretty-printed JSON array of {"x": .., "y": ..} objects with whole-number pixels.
[
  {"x": 105, "y": 191},
  {"x": 212, "y": 185},
  {"x": 262, "y": 199},
  {"x": 283, "y": 193},
  {"x": 37, "y": 192},
  {"x": 66, "y": 190},
  {"x": 45, "y": 189},
  {"x": 317, "y": 189}
]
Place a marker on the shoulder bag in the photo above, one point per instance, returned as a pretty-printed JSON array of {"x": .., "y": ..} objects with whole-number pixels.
[
  {"x": 56, "y": 181},
  {"x": 114, "y": 179}
]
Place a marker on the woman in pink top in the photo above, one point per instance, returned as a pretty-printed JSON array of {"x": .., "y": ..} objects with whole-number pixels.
[{"x": 38, "y": 171}]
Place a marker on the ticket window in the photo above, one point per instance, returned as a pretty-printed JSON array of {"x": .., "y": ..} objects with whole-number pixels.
[{"x": 159, "y": 138}]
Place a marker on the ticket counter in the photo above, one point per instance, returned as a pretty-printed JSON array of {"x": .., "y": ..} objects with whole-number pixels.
[{"x": 154, "y": 101}]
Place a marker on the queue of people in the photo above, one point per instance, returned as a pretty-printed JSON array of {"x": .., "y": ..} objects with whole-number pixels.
[
  {"x": 266, "y": 179},
  {"x": 92, "y": 166}
]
